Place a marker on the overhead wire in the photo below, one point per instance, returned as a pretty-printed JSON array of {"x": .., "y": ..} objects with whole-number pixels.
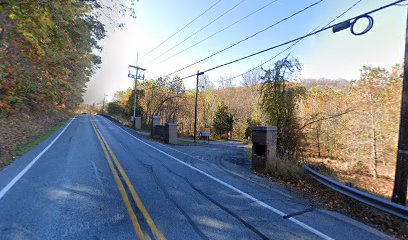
[
  {"x": 106, "y": 15},
  {"x": 221, "y": 30},
  {"x": 249, "y": 37},
  {"x": 295, "y": 43},
  {"x": 201, "y": 29},
  {"x": 114, "y": 13},
  {"x": 181, "y": 29},
  {"x": 101, "y": 11},
  {"x": 296, "y": 39}
]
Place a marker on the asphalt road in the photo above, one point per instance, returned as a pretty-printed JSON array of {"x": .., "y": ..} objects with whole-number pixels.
[{"x": 94, "y": 179}]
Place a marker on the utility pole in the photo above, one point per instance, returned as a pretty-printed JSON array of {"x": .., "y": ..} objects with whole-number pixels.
[
  {"x": 135, "y": 95},
  {"x": 137, "y": 76},
  {"x": 103, "y": 103},
  {"x": 196, "y": 107},
  {"x": 399, "y": 194}
]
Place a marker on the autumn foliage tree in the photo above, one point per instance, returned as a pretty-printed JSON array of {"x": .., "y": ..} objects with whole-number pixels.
[
  {"x": 357, "y": 123},
  {"x": 47, "y": 53},
  {"x": 352, "y": 125}
]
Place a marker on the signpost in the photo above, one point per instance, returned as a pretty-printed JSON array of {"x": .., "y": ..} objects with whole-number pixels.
[{"x": 206, "y": 132}]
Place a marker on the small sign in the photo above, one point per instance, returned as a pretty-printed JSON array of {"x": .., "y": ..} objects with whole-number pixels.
[{"x": 205, "y": 133}]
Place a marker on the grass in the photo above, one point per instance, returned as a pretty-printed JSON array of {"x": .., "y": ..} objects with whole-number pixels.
[
  {"x": 23, "y": 149},
  {"x": 285, "y": 169},
  {"x": 219, "y": 140},
  {"x": 4, "y": 161},
  {"x": 182, "y": 142}
]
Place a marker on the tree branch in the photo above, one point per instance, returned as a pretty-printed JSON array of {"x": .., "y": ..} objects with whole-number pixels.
[
  {"x": 323, "y": 119},
  {"x": 163, "y": 101}
]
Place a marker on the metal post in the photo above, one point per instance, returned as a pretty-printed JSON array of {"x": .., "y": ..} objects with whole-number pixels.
[
  {"x": 134, "y": 98},
  {"x": 399, "y": 194},
  {"x": 196, "y": 109}
]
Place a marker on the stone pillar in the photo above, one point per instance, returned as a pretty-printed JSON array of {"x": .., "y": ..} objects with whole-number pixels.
[
  {"x": 138, "y": 123},
  {"x": 264, "y": 146},
  {"x": 171, "y": 137},
  {"x": 155, "y": 122}
]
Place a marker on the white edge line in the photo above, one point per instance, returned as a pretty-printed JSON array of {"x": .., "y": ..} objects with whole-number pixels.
[
  {"x": 263, "y": 204},
  {"x": 227, "y": 170},
  {"x": 21, "y": 174}
]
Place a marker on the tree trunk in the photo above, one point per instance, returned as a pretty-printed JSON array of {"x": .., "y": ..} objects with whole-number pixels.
[
  {"x": 374, "y": 163},
  {"x": 318, "y": 140}
]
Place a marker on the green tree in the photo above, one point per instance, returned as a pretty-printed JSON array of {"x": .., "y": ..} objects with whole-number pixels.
[
  {"x": 278, "y": 98},
  {"x": 223, "y": 120}
]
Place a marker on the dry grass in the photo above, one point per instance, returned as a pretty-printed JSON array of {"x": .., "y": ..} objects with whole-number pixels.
[
  {"x": 285, "y": 170},
  {"x": 292, "y": 175},
  {"x": 359, "y": 175},
  {"x": 21, "y": 132}
]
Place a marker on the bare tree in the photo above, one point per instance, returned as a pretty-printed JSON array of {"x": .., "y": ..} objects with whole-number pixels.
[
  {"x": 226, "y": 82},
  {"x": 251, "y": 78}
]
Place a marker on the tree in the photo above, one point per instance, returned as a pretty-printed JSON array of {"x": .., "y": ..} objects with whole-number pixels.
[
  {"x": 114, "y": 108},
  {"x": 49, "y": 50},
  {"x": 223, "y": 120},
  {"x": 252, "y": 78},
  {"x": 226, "y": 82},
  {"x": 321, "y": 110},
  {"x": 371, "y": 86},
  {"x": 279, "y": 101},
  {"x": 47, "y": 53}
]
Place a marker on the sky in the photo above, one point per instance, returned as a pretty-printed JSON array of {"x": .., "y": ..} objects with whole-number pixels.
[{"x": 325, "y": 55}]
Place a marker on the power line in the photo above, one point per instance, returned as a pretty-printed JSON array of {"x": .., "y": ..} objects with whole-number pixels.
[
  {"x": 295, "y": 43},
  {"x": 300, "y": 38},
  {"x": 342, "y": 14},
  {"x": 223, "y": 29},
  {"x": 107, "y": 16},
  {"x": 109, "y": 8},
  {"x": 242, "y": 74},
  {"x": 251, "y": 36},
  {"x": 181, "y": 29},
  {"x": 297, "y": 40},
  {"x": 199, "y": 30}
]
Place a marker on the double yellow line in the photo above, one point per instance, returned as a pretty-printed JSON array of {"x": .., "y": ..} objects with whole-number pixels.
[{"x": 109, "y": 156}]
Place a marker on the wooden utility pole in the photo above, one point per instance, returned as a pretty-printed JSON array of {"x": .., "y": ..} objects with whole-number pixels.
[
  {"x": 136, "y": 77},
  {"x": 399, "y": 194},
  {"x": 135, "y": 89},
  {"x": 196, "y": 107}
]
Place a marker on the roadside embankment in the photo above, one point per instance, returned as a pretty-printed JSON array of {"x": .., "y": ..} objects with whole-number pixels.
[{"x": 21, "y": 132}]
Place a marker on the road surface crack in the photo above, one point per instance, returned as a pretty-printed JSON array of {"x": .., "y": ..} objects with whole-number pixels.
[
  {"x": 167, "y": 195},
  {"x": 298, "y": 213},
  {"x": 246, "y": 224}
]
